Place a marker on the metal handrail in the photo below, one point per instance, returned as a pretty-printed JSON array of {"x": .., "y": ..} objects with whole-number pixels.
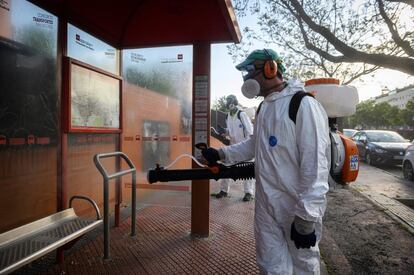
[
  {"x": 98, "y": 214},
  {"x": 106, "y": 178}
]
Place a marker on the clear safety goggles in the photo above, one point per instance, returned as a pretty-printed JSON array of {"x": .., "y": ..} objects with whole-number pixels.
[{"x": 251, "y": 71}]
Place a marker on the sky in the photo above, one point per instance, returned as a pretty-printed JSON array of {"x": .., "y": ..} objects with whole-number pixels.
[{"x": 225, "y": 79}]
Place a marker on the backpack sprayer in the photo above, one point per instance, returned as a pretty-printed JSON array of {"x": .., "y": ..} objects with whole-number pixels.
[
  {"x": 338, "y": 101},
  {"x": 216, "y": 171}
]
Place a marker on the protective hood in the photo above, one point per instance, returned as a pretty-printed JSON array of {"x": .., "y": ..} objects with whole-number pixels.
[{"x": 293, "y": 86}]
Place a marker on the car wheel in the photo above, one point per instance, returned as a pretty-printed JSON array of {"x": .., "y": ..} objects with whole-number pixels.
[
  {"x": 368, "y": 159},
  {"x": 408, "y": 171}
]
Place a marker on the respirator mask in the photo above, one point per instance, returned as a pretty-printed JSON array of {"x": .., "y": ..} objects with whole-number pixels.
[
  {"x": 231, "y": 102},
  {"x": 250, "y": 88},
  {"x": 232, "y": 106}
]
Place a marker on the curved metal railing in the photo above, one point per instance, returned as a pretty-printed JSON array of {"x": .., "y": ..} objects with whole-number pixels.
[
  {"x": 91, "y": 201},
  {"x": 106, "y": 178}
]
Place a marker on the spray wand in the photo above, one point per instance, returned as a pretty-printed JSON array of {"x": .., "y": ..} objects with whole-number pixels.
[{"x": 216, "y": 171}]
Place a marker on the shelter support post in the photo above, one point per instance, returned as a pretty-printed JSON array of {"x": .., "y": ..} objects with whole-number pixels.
[{"x": 200, "y": 189}]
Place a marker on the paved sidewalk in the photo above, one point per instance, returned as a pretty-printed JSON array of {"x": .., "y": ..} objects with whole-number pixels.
[
  {"x": 163, "y": 244},
  {"x": 387, "y": 191}
]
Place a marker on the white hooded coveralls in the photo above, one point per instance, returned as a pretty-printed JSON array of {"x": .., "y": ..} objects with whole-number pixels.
[
  {"x": 238, "y": 130},
  {"x": 291, "y": 167}
]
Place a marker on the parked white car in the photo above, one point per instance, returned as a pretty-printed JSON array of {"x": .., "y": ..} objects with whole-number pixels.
[{"x": 408, "y": 163}]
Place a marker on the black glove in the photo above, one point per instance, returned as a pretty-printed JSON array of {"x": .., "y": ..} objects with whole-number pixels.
[
  {"x": 209, "y": 153},
  {"x": 221, "y": 129},
  {"x": 302, "y": 241}
]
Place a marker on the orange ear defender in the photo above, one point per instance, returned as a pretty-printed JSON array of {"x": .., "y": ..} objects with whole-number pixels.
[{"x": 270, "y": 67}]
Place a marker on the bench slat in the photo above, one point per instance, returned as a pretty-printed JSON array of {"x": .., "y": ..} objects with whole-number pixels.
[
  {"x": 43, "y": 240},
  {"x": 33, "y": 227}
]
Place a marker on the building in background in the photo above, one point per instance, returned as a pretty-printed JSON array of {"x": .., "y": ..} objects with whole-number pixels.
[{"x": 398, "y": 97}]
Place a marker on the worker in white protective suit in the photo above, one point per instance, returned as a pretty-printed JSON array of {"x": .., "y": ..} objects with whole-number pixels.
[
  {"x": 291, "y": 168},
  {"x": 239, "y": 128}
]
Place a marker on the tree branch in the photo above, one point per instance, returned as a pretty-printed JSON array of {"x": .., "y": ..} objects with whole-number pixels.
[
  {"x": 310, "y": 46},
  {"x": 286, "y": 44},
  {"x": 404, "y": 64},
  {"x": 241, "y": 6},
  {"x": 408, "y": 2},
  {"x": 405, "y": 45},
  {"x": 364, "y": 72}
]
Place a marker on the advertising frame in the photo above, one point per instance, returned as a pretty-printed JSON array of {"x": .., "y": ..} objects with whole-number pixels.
[{"x": 68, "y": 127}]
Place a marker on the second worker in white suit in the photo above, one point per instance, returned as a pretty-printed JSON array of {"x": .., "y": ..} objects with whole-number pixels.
[{"x": 239, "y": 128}]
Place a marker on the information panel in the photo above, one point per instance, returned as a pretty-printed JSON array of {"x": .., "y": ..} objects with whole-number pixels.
[
  {"x": 201, "y": 111},
  {"x": 93, "y": 100}
]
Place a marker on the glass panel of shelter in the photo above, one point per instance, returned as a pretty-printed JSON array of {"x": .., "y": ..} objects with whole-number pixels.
[
  {"x": 158, "y": 97},
  {"x": 28, "y": 113}
]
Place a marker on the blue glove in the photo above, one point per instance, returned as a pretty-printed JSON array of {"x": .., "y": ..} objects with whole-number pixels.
[
  {"x": 209, "y": 153},
  {"x": 302, "y": 240}
]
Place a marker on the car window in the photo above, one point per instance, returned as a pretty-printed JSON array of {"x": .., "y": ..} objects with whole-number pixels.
[
  {"x": 356, "y": 136},
  {"x": 349, "y": 132},
  {"x": 363, "y": 137},
  {"x": 385, "y": 137}
]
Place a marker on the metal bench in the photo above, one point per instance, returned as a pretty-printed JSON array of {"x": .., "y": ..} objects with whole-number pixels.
[{"x": 29, "y": 242}]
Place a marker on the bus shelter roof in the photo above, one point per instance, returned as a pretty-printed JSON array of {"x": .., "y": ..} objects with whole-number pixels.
[{"x": 146, "y": 23}]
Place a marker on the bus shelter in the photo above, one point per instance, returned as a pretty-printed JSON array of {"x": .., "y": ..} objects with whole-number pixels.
[{"x": 51, "y": 126}]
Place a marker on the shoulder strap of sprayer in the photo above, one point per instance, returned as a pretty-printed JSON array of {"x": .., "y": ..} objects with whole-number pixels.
[{"x": 293, "y": 105}]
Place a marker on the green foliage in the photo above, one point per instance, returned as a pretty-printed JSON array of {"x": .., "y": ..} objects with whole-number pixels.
[
  {"x": 407, "y": 115},
  {"x": 220, "y": 104},
  {"x": 364, "y": 114},
  {"x": 368, "y": 114}
]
